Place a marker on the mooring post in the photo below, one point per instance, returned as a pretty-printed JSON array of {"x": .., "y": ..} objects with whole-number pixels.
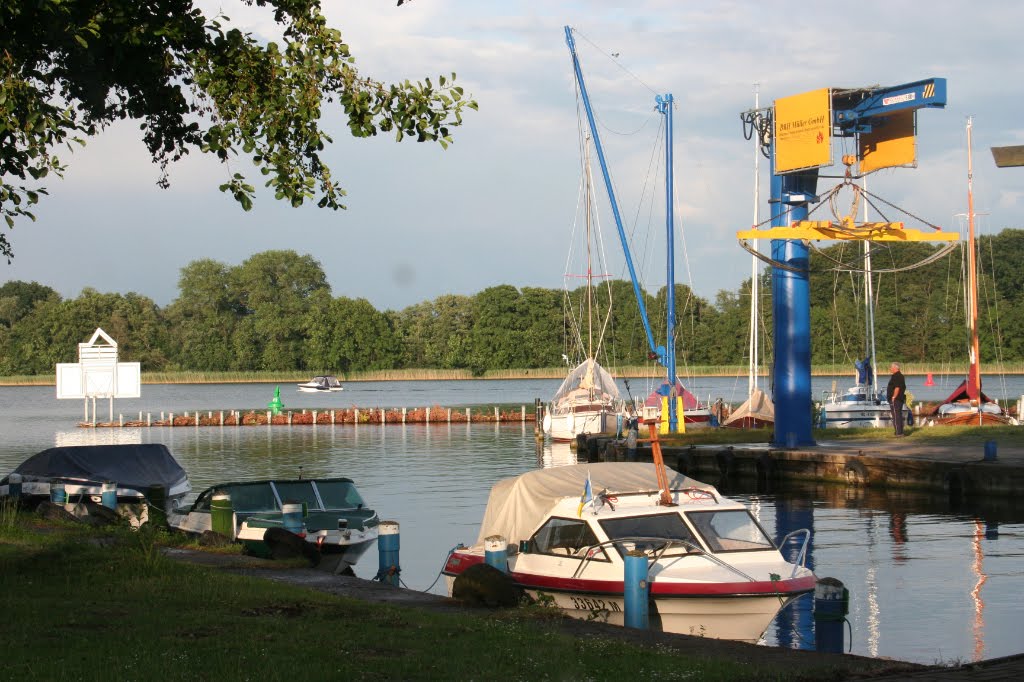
[
  {"x": 222, "y": 514},
  {"x": 496, "y": 552},
  {"x": 291, "y": 517},
  {"x": 388, "y": 544},
  {"x": 333, "y": 419},
  {"x": 120, "y": 419},
  {"x": 497, "y": 415},
  {"x": 58, "y": 494},
  {"x": 635, "y": 590},
  {"x": 831, "y": 604},
  {"x": 108, "y": 495},
  {"x": 403, "y": 415},
  {"x": 170, "y": 419},
  {"x": 428, "y": 415},
  {"x": 468, "y": 418},
  {"x": 449, "y": 415},
  {"x": 522, "y": 413},
  {"x": 149, "y": 419},
  {"x": 314, "y": 417},
  {"x": 222, "y": 417},
  {"x": 990, "y": 451},
  {"x": 14, "y": 486}
]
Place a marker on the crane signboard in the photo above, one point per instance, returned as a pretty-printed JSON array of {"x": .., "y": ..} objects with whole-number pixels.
[{"x": 803, "y": 131}]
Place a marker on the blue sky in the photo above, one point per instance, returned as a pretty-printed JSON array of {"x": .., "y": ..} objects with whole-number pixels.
[{"x": 497, "y": 207}]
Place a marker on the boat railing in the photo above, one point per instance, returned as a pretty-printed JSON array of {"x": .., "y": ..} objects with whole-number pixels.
[
  {"x": 665, "y": 545},
  {"x": 801, "y": 556}
]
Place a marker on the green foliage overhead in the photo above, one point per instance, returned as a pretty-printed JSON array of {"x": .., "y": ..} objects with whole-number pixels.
[{"x": 69, "y": 68}]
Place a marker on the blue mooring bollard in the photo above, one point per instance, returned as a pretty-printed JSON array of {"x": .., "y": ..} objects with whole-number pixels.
[
  {"x": 496, "y": 552},
  {"x": 108, "y": 495},
  {"x": 388, "y": 544},
  {"x": 831, "y": 604},
  {"x": 291, "y": 517},
  {"x": 990, "y": 451},
  {"x": 635, "y": 590},
  {"x": 14, "y": 486},
  {"x": 58, "y": 494}
]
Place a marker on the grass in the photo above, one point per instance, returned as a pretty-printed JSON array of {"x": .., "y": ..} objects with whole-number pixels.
[{"x": 100, "y": 604}]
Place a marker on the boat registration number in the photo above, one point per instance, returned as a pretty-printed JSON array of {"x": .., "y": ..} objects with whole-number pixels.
[{"x": 595, "y": 604}]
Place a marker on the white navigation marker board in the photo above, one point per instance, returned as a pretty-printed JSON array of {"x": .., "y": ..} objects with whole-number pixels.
[{"x": 98, "y": 374}]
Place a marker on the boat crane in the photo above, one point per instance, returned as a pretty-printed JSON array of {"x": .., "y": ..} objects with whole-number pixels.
[{"x": 796, "y": 138}]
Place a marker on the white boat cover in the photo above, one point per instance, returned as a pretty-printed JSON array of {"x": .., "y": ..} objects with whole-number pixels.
[
  {"x": 758, "y": 406},
  {"x": 518, "y": 505},
  {"x": 590, "y": 378}
]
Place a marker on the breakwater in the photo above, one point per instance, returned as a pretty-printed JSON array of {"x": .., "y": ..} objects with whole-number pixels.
[{"x": 310, "y": 417}]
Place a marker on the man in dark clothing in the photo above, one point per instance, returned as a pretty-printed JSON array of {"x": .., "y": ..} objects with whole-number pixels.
[{"x": 896, "y": 394}]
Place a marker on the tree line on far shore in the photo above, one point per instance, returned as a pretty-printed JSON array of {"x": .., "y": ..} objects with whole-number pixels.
[{"x": 276, "y": 312}]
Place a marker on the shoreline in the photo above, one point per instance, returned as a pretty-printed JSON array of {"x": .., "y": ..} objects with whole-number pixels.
[{"x": 557, "y": 373}]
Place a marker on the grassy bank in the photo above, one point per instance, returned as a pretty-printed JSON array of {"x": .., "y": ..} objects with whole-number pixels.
[
  {"x": 187, "y": 377},
  {"x": 91, "y": 604}
]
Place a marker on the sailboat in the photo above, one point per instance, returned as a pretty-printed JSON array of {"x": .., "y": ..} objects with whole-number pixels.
[
  {"x": 863, "y": 404},
  {"x": 757, "y": 411},
  {"x": 968, "y": 405},
  {"x": 670, "y": 404},
  {"x": 588, "y": 401}
]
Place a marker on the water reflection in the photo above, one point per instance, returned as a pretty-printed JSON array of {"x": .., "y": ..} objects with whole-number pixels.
[{"x": 928, "y": 582}]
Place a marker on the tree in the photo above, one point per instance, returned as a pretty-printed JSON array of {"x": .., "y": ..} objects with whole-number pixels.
[
  {"x": 347, "y": 335},
  {"x": 203, "y": 319},
  {"x": 68, "y": 68},
  {"x": 276, "y": 290},
  {"x": 18, "y": 298}
]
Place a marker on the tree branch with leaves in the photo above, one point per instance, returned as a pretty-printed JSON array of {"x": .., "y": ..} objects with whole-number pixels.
[{"x": 69, "y": 68}]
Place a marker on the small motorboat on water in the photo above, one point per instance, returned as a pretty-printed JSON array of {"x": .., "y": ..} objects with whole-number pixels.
[
  {"x": 129, "y": 477},
  {"x": 321, "y": 384},
  {"x": 329, "y": 513},
  {"x": 712, "y": 569}
]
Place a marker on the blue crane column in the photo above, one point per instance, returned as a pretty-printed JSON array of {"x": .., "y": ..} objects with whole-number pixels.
[{"x": 791, "y": 311}]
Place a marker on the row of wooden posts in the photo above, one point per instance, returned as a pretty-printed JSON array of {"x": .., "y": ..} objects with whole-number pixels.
[{"x": 328, "y": 417}]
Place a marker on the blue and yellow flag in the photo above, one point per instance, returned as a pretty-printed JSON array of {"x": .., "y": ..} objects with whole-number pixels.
[{"x": 587, "y": 497}]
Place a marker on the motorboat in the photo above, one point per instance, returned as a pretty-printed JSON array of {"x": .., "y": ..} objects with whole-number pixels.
[
  {"x": 334, "y": 516},
  {"x": 138, "y": 475},
  {"x": 859, "y": 406},
  {"x": 321, "y": 384},
  {"x": 712, "y": 569}
]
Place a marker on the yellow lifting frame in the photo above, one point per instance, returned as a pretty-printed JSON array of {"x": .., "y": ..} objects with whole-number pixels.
[{"x": 818, "y": 230}]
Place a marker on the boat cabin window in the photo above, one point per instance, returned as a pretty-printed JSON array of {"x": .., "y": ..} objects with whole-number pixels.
[
  {"x": 564, "y": 537},
  {"x": 252, "y": 497},
  {"x": 340, "y": 495},
  {"x": 730, "y": 531},
  {"x": 298, "y": 491},
  {"x": 633, "y": 529}
]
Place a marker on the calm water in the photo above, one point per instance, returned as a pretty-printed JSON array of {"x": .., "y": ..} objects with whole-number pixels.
[{"x": 928, "y": 583}]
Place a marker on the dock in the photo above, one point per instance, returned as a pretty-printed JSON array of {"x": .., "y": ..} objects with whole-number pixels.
[{"x": 960, "y": 471}]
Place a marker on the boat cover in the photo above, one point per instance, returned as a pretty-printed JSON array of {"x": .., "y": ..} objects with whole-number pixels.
[
  {"x": 690, "y": 401},
  {"x": 137, "y": 466},
  {"x": 590, "y": 377},
  {"x": 758, "y": 409},
  {"x": 518, "y": 505},
  {"x": 960, "y": 395}
]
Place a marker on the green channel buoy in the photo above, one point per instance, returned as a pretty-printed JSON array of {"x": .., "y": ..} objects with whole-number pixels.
[{"x": 276, "y": 405}]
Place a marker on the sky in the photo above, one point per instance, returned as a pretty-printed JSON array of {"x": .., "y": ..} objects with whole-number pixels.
[{"x": 499, "y": 206}]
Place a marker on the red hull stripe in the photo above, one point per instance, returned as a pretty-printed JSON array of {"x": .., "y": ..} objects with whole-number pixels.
[{"x": 457, "y": 564}]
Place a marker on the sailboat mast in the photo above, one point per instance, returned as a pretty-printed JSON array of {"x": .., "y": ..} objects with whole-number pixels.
[
  {"x": 590, "y": 273},
  {"x": 869, "y": 302},
  {"x": 974, "y": 371},
  {"x": 754, "y": 283}
]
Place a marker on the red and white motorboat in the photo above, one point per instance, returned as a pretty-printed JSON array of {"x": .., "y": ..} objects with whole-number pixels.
[{"x": 713, "y": 571}]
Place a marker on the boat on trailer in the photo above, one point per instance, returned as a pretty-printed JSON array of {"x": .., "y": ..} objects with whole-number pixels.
[
  {"x": 712, "y": 569},
  {"x": 134, "y": 476},
  {"x": 334, "y": 517}
]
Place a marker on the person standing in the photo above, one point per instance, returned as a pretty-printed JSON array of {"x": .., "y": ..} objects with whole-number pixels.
[{"x": 896, "y": 394}]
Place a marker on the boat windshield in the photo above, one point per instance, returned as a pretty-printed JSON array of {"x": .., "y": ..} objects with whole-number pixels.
[
  {"x": 298, "y": 491},
  {"x": 668, "y": 526},
  {"x": 733, "y": 530},
  {"x": 340, "y": 495},
  {"x": 566, "y": 537}
]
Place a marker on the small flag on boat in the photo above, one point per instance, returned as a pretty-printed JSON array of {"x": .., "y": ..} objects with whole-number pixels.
[{"x": 587, "y": 497}]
